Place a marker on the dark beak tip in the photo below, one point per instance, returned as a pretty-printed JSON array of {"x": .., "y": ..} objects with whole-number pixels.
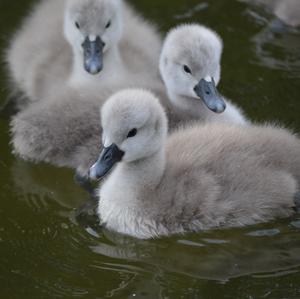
[
  {"x": 95, "y": 178},
  {"x": 92, "y": 173},
  {"x": 220, "y": 109},
  {"x": 93, "y": 70}
]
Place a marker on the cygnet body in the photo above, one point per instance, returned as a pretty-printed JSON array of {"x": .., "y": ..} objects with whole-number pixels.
[
  {"x": 82, "y": 44},
  {"x": 201, "y": 177}
]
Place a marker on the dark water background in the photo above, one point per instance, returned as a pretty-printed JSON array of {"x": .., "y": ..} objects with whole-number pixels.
[{"x": 46, "y": 253}]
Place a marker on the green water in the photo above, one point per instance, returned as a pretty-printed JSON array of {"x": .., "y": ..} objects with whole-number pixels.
[{"x": 46, "y": 253}]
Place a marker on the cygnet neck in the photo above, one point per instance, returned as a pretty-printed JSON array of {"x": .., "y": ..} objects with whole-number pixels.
[
  {"x": 188, "y": 108},
  {"x": 146, "y": 172}
]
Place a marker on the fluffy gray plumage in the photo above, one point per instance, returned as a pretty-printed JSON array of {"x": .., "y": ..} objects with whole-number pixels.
[
  {"x": 201, "y": 177},
  {"x": 46, "y": 53},
  {"x": 64, "y": 130},
  {"x": 66, "y": 99},
  {"x": 199, "y": 49}
]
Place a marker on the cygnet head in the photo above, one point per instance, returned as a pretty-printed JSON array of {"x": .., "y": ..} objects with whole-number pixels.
[
  {"x": 190, "y": 67},
  {"x": 92, "y": 27},
  {"x": 134, "y": 128}
]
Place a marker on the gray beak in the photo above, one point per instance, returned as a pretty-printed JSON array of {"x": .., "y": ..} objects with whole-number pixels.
[
  {"x": 108, "y": 158},
  {"x": 207, "y": 91},
  {"x": 93, "y": 55}
]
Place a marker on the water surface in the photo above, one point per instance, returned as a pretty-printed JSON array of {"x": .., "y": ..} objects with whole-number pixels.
[{"x": 45, "y": 252}]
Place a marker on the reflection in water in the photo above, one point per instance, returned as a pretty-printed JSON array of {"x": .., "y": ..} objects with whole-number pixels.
[
  {"x": 39, "y": 183},
  {"x": 288, "y": 11},
  {"x": 277, "y": 45},
  {"x": 236, "y": 253},
  {"x": 279, "y": 50},
  {"x": 191, "y": 12}
]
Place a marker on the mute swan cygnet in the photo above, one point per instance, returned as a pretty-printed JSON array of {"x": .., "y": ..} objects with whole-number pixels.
[
  {"x": 202, "y": 177},
  {"x": 65, "y": 131},
  {"x": 83, "y": 43},
  {"x": 190, "y": 67}
]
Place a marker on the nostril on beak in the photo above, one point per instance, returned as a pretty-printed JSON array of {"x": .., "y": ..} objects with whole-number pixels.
[{"x": 108, "y": 157}]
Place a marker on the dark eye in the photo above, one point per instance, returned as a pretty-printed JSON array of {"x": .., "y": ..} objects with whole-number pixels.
[
  {"x": 132, "y": 133},
  {"x": 77, "y": 25},
  {"x": 187, "y": 69},
  {"x": 108, "y": 24}
]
